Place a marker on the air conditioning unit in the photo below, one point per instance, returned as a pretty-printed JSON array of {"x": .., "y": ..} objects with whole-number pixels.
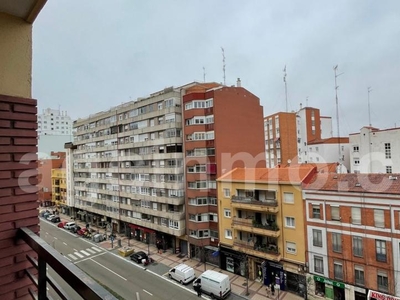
[{"x": 392, "y": 177}]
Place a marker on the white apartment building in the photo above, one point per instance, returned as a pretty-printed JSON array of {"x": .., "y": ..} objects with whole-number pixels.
[
  {"x": 54, "y": 122},
  {"x": 128, "y": 168},
  {"x": 327, "y": 151},
  {"x": 375, "y": 151}
]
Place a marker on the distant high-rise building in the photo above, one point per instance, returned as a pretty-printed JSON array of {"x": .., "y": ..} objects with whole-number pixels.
[
  {"x": 54, "y": 130},
  {"x": 303, "y": 137},
  {"x": 54, "y": 122}
]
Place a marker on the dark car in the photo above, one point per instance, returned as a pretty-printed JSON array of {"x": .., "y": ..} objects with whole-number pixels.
[
  {"x": 138, "y": 257},
  {"x": 76, "y": 229},
  {"x": 55, "y": 219}
]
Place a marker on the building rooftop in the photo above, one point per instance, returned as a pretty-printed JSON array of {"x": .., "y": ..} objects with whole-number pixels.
[
  {"x": 331, "y": 140},
  {"x": 287, "y": 175},
  {"x": 364, "y": 183}
]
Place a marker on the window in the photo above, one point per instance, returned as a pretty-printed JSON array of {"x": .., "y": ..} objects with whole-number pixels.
[
  {"x": 356, "y": 215},
  {"x": 388, "y": 169},
  {"x": 227, "y": 213},
  {"x": 316, "y": 211},
  {"x": 318, "y": 264},
  {"x": 357, "y": 246},
  {"x": 380, "y": 250},
  {"x": 290, "y": 222},
  {"x": 379, "y": 218},
  {"x": 359, "y": 275},
  {"x": 356, "y": 148},
  {"x": 317, "y": 238},
  {"x": 291, "y": 247},
  {"x": 337, "y": 242},
  {"x": 356, "y": 161},
  {"x": 382, "y": 281},
  {"x": 228, "y": 233},
  {"x": 388, "y": 153},
  {"x": 288, "y": 197},
  {"x": 335, "y": 213},
  {"x": 338, "y": 270},
  {"x": 173, "y": 224},
  {"x": 227, "y": 193}
]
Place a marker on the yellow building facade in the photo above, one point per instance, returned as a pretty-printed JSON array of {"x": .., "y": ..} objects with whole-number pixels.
[
  {"x": 59, "y": 186},
  {"x": 261, "y": 225}
]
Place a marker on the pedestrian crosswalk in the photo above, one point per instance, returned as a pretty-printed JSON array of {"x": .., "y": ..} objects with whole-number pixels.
[{"x": 83, "y": 253}]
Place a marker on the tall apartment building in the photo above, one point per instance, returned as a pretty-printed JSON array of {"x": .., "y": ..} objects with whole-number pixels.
[
  {"x": 54, "y": 122},
  {"x": 54, "y": 130},
  {"x": 223, "y": 129},
  {"x": 128, "y": 168},
  {"x": 261, "y": 221},
  {"x": 59, "y": 187},
  {"x": 303, "y": 137},
  {"x": 353, "y": 236},
  {"x": 374, "y": 150}
]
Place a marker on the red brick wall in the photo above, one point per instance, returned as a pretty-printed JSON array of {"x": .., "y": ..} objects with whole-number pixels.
[{"x": 18, "y": 192}]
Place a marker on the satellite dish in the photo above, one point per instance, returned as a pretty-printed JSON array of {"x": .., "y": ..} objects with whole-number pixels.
[{"x": 289, "y": 161}]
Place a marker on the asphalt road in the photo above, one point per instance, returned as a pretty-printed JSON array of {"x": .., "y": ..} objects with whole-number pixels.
[{"x": 126, "y": 278}]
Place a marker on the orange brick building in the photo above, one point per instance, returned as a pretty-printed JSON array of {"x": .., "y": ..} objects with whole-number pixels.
[
  {"x": 353, "y": 235},
  {"x": 223, "y": 130}
]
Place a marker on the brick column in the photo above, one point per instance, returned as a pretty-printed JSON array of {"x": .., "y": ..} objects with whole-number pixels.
[{"x": 18, "y": 192}]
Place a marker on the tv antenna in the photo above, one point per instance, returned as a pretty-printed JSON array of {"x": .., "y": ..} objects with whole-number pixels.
[
  {"x": 223, "y": 64},
  {"x": 335, "y": 69},
  {"x": 204, "y": 74},
  {"x": 284, "y": 80},
  {"x": 369, "y": 89}
]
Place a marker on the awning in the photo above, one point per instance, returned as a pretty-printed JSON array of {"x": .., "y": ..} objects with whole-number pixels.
[
  {"x": 81, "y": 213},
  {"x": 212, "y": 248},
  {"x": 133, "y": 226}
]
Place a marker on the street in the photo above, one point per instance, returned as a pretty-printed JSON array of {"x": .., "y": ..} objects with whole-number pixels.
[{"x": 124, "y": 277}]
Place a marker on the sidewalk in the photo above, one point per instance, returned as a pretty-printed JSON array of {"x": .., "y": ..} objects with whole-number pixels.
[{"x": 163, "y": 262}]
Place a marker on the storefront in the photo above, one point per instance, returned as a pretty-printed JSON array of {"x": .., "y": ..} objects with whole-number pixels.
[
  {"x": 295, "y": 283},
  {"x": 360, "y": 293},
  {"x": 273, "y": 274},
  {"x": 329, "y": 289},
  {"x": 374, "y": 295},
  {"x": 231, "y": 261}
]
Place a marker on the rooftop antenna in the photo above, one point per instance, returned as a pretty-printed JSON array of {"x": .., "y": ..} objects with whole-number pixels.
[
  {"x": 369, "y": 89},
  {"x": 307, "y": 101},
  {"x": 284, "y": 80},
  {"x": 204, "y": 74},
  {"x": 223, "y": 64},
  {"x": 335, "y": 68}
]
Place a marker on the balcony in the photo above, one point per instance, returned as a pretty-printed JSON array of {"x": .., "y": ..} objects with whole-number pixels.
[
  {"x": 45, "y": 257},
  {"x": 251, "y": 203},
  {"x": 250, "y": 225},
  {"x": 270, "y": 252}
]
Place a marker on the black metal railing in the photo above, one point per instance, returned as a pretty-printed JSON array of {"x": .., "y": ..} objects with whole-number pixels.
[
  {"x": 252, "y": 200},
  {"x": 83, "y": 284}
]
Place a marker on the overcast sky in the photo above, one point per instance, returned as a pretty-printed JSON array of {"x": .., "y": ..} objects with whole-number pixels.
[{"x": 92, "y": 55}]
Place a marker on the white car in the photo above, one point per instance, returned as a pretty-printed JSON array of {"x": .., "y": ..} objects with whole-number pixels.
[{"x": 49, "y": 217}]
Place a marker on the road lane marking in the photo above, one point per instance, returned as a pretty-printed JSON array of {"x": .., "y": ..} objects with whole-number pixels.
[
  {"x": 75, "y": 250},
  {"x": 111, "y": 271},
  {"x": 65, "y": 243},
  {"x": 55, "y": 238},
  {"x": 97, "y": 249},
  {"x": 89, "y": 257},
  {"x": 84, "y": 252},
  {"x": 148, "y": 292},
  {"x": 78, "y": 254},
  {"x": 91, "y": 251},
  {"x": 72, "y": 256}
]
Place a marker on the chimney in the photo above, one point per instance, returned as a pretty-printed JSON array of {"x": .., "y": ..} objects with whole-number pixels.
[
  {"x": 301, "y": 105},
  {"x": 238, "y": 83}
]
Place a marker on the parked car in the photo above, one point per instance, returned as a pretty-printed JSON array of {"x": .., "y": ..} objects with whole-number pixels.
[
  {"x": 182, "y": 273},
  {"x": 46, "y": 214},
  {"x": 82, "y": 231},
  {"x": 55, "y": 219},
  {"x": 70, "y": 225},
  {"x": 213, "y": 283},
  {"x": 61, "y": 224},
  {"x": 138, "y": 257},
  {"x": 48, "y": 218},
  {"x": 76, "y": 229}
]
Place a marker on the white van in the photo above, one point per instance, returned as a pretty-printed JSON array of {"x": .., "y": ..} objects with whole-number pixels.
[
  {"x": 182, "y": 273},
  {"x": 69, "y": 225},
  {"x": 215, "y": 284}
]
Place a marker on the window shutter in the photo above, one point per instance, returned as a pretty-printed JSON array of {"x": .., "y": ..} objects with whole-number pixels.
[
  {"x": 335, "y": 214},
  {"x": 379, "y": 218},
  {"x": 356, "y": 215}
]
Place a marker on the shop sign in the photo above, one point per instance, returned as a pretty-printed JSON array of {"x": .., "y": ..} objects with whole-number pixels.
[
  {"x": 381, "y": 296},
  {"x": 275, "y": 265},
  {"x": 331, "y": 282}
]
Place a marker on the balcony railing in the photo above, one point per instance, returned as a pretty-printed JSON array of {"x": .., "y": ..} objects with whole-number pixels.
[
  {"x": 250, "y": 225},
  {"x": 84, "y": 285},
  {"x": 270, "y": 251},
  {"x": 252, "y": 200}
]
